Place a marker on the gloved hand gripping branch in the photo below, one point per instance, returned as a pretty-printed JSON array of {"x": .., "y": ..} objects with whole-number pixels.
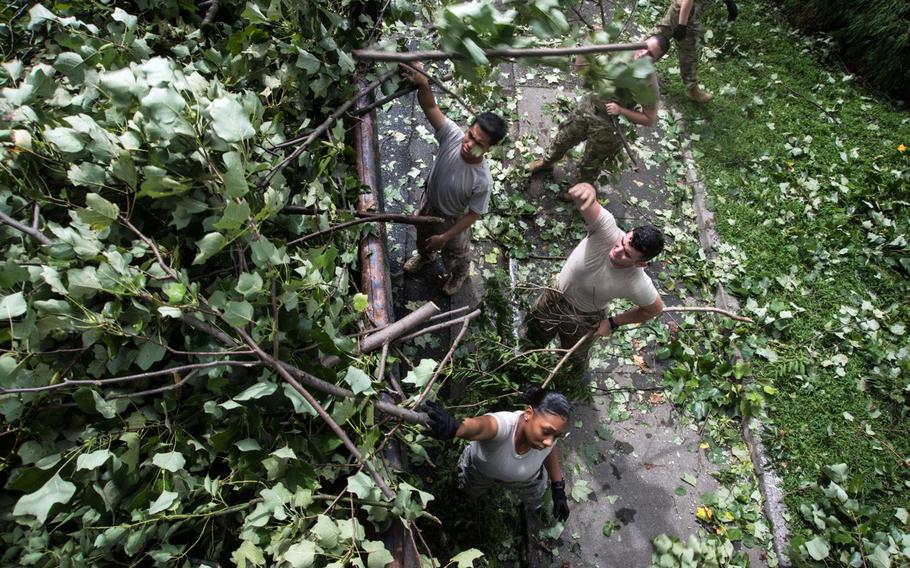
[{"x": 443, "y": 425}]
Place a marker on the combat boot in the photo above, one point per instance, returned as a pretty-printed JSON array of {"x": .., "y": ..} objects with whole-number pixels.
[
  {"x": 697, "y": 95},
  {"x": 418, "y": 261},
  {"x": 539, "y": 166},
  {"x": 454, "y": 283}
]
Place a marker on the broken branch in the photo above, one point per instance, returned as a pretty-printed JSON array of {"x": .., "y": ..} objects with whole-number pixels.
[
  {"x": 727, "y": 313},
  {"x": 578, "y": 344},
  {"x": 436, "y": 55},
  {"x": 373, "y": 218},
  {"x": 32, "y": 231}
]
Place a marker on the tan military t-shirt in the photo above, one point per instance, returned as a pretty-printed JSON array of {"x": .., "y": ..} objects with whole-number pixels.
[{"x": 588, "y": 280}]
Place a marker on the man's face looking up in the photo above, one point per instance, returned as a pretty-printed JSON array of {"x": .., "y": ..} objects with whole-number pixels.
[
  {"x": 623, "y": 255},
  {"x": 475, "y": 144}
]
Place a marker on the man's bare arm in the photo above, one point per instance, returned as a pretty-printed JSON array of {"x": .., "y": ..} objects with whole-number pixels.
[
  {"x": 584, "y": 196},
  {"x": 436, "y": 242},
  {"x": 425, "y": 97}
]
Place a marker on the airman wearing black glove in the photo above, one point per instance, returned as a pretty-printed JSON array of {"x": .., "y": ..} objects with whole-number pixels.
[{"x": 560, "y": 502}]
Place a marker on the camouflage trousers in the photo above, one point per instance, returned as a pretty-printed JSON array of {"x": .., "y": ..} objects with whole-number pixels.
[
  {"x": 604, "y": 144},
  {"x": 475, "y": 483},
  {"x": 553, "y": 315},
  {"x": 457, "y": 250},
  {"x": 686, "y": 48}
]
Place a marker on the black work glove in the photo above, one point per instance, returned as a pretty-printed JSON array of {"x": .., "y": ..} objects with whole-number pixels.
[
  {"x": 732, "y": 10},
  {"x": 442, "y": 424},
  {"x": 560, "y": 503},
  {"x": 679, "y": 32}
]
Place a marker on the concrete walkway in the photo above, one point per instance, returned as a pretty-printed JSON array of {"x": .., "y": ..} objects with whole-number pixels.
[{"x": 642, "y": 461}]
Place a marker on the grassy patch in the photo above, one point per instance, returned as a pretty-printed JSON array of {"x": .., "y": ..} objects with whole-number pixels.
[{"x": 807, "y": 174}]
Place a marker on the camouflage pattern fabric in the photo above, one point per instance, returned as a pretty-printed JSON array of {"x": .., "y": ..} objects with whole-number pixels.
[
  {"x": 687, "y": 48},
  {"x": 457, "y": 250},
  {"x": 590, "y": 121},
  {"x": 475, "y": 484},
  {"x": 553, "y": 315}
]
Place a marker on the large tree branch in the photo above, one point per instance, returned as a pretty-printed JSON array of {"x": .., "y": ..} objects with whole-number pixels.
[
  {"x": 32, "y": 231},
  {"x": 439, "y": 84},
  {"x": 435, "y": 55}
]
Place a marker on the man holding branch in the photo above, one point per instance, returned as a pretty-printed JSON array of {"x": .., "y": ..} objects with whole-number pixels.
[{"x": 609, "y": 263}]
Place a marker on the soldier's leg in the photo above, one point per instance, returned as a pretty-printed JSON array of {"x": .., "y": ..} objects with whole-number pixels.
[
  {"x": 470, "y": 480},
  {"x": 603, "y": 151},
  {"x": 571, "y": 133},
  {"x": 688, "y": 49},
  {"x": 456, "y": 255},
  {"x": 424, "y": 256},
  {"x": 541, "y": 322}
]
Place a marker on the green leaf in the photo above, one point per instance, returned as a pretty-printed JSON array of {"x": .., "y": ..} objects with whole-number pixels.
[
  {"x": 235, "y": 215},
  {"x": 818, "y": 548},
  {"x": 208, "y": 246},
  {"x": 149, "y": 354},
  {"x": 71, "y": 65},
  {"x": 466, "y": 558},
  {"x": 229, "y": 120},
  {"x": 259, "y": 390},
  {"x": 359, "y": 381},
  {"x": 124, "y": 169},
  {"x": 581, "y": 491},
  {"x": 285, "y": 453},
  {"x": 120, "y": 84},
  {"x": 40, "y": 502},
  {"x": 128, "y": 21},
  {"x": 235, "y": 184},
  {"x": 361, "y": 301},
  {"x": 690, "y": 479},
  {"x": 13, "y": 306},
  {"x": 86, "y": 174},
  {"x": 162, "y": 105},
  {"x": 238, "y": 314},
  {"x": 361, "y": 485},
  {"x": 326, "y": 532},
  {"x": 248, "y": 551},
  {"x": 65, "y": 139},
  {"x": 307, "y": 62},
  {"x": 104, "y": 408},
  {"x": 248, "y": 445},
  {"x": 301, "y": 554},
  {"x": 837, "y": 472},
  {"x": 163, "y": 502},
  {"x": 175, "y": 291},
  {"x": 420, "y": 375},
  {"x": 249, "y": 284},
  {"x": 92, "y": 460},
  {"x": 301, "y": 406},
  {"x": 170, "y": 461},
  {"x": 607, "y": 529},
  {"x": 901, "y": 515},
  {"x": 377, "y": 556}
]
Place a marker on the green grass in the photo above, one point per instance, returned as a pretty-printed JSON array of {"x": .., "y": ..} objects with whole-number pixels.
[{"x": 764, "y": 78}]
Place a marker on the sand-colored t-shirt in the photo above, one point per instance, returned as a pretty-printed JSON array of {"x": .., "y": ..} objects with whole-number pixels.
[
  {"x": 588, "y": 280},
  {"x": 496, "y": 458},
  {"x": 455, "y": 186}
]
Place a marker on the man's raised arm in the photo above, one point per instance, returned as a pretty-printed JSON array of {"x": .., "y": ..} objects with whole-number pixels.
[
  {"x": 424, "y": 94},
  {"x": 585, "y": 198}
]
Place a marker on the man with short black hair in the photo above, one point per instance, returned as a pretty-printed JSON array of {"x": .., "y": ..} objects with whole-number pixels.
[
  {"x": 607, "y": 264},
  {"x": 597, "y": 122},
  {"x": 457, "y": 189}
]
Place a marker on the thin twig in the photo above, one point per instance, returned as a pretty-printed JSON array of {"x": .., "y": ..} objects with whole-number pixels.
[
  {"x": 437, "y": 327},
  {"x": 30, "y": 231},
  {"x": 445, "y": 360},
  {"x": 377, "y": 218},
  {"x": 727, "y": 313},
  {"x": 448, "y": 314},
  {"x": 164, "y": 266},
  {"x": 324, "y": 127},
  {"x": 178, "y": 384},
  {"x": 436, "y": 55},
  {"x": 805, "y": 98},
  {"x": 392, "y": 380},
  {"x": 582, "y": 18},
  {"x": 603, "y": 13},
  {"x": 565, "y": 357},
  {"x": 136, "y": 377},
  {"x": 439, "y": 84},
  {"x": 36, "y": 216},
  {"x": 625, "y": 143},
  {"x": 275, "y": 330}
]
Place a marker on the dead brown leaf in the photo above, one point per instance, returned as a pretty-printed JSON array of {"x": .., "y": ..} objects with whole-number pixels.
[
  {"x": 656, "y": 398},
  {"x": 640, "y": 361}
]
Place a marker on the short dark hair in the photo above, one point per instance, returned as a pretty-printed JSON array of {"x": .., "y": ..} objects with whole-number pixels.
[
  {"x": 663, "y": 41},
  {"x": 543, "y": 400},
  {"x": 648, "y": 240},
  {"x": 493, "y": 124}
]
